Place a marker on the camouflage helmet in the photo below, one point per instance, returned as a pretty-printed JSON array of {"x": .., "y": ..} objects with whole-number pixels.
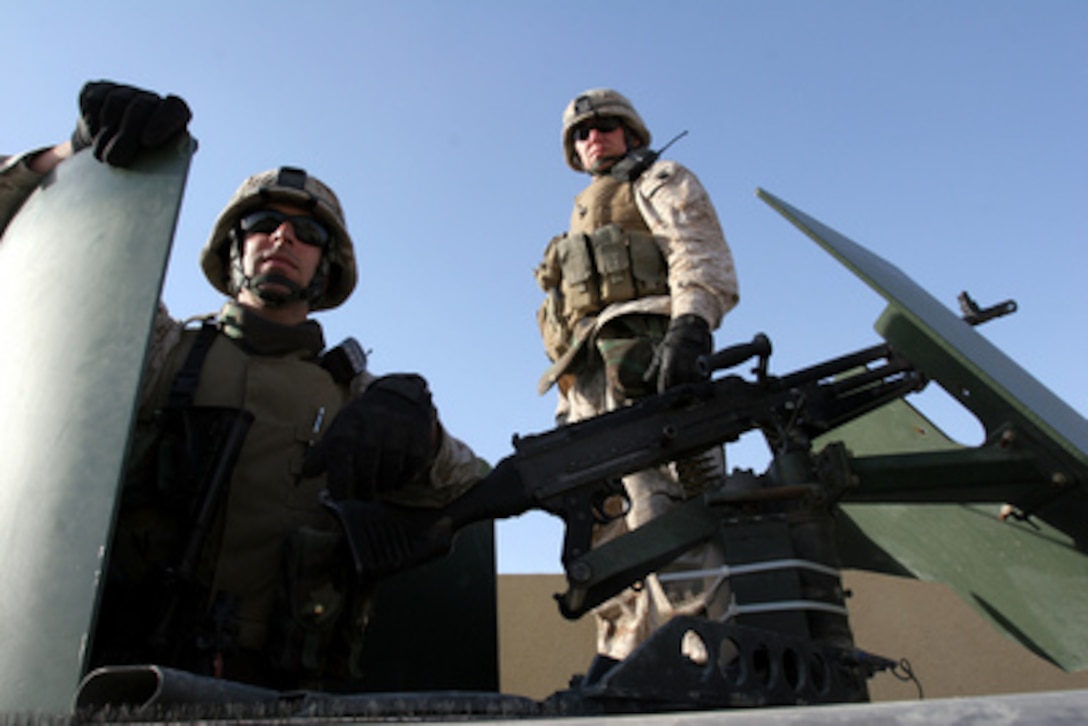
[
  {"x": 293, "y": 186},
  {"x": 599, "y": 102}
]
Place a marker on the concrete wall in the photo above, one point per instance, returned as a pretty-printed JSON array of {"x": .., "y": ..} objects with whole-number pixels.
[{"x": 953, "y": 651}]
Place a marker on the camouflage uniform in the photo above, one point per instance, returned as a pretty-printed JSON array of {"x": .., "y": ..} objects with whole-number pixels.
[
  {"x": 17, "y": 181},
  {"x": 604, "y": 360},
  {"x": 274, "y": 372}
]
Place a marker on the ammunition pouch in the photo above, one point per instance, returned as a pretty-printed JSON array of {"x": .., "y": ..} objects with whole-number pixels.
[
  {"x": 578, "y": 277},
  {"x": 313, "y": 601},
  {"x": 583, "y": 273}
]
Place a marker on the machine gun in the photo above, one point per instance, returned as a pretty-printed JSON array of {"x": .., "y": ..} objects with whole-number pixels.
[
  {"x": 570, "y": 471},
  {"x": 573, "y": 470}
]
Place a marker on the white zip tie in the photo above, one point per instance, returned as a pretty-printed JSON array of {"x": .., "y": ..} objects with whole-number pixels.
[
  {"x": 737, "y": 570},
  {"x": 770, "y": 607}
]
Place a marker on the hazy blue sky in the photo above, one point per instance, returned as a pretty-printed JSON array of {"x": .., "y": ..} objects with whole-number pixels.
[{"x": 947, "y": 136}]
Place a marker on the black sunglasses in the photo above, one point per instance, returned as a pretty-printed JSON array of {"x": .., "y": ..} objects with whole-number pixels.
[
  {"x": 604, "y": 124},
  {"x": 266, "y": 221}
]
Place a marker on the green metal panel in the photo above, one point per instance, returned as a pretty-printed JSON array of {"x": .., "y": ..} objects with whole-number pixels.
[
  {"x": 948, "y": 349},
  {"x": 1029, "y": 578},
  {"x": 435, "y": 627},
  {"x": 81, "y": 267}
]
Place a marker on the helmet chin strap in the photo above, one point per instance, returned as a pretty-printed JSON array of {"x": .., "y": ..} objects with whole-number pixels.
[{"x": 265, "y": 287}]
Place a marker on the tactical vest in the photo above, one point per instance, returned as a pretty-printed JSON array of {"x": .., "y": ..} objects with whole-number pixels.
[
  {"x": 607, "y": 256},
  {"x": 292, "y": 400},
  {"x": 273, "y": 551}
]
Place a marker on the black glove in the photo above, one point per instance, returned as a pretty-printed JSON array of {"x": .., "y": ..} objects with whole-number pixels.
[
  {"x": 123, "y": 120},
  {"x": 380, "y": 441},
  {"x": 687, "y": 338}
]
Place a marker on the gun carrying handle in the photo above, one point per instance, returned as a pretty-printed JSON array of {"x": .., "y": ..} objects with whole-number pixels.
[{"x": 734, "y": 355}]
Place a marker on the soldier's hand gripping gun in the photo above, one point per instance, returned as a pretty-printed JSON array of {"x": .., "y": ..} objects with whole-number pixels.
[{"x": 572, "y": 470}]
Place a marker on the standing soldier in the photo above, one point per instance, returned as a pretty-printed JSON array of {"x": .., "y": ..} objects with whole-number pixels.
[{"x": 633, "y": 290}]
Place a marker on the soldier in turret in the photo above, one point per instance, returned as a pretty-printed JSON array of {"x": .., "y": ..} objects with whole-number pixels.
[
  {"x": 634, "y": 289},
  {"x": 267, "y": 596}
]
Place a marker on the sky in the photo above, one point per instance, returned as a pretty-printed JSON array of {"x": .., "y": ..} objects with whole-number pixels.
[{"x": 947, "y": 136}]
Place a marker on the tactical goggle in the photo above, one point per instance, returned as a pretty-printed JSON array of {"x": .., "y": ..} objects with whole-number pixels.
[
  {"x": 603, "y": 124},
  {"x": 266, "y": 221}
]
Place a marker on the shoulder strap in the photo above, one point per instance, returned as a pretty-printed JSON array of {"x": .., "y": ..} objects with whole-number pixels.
[{"x": 185, "y": 382}]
